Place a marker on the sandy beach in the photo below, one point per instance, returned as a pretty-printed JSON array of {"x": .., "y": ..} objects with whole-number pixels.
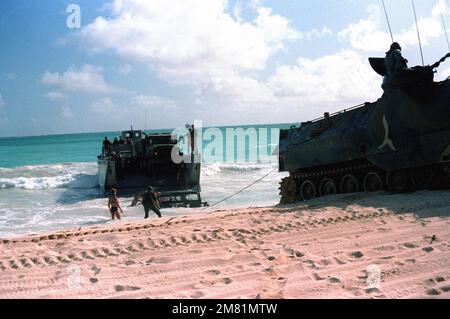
[{"x": 326, "y": 248}]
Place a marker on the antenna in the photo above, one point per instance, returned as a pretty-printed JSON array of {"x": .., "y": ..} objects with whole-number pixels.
[
  {"x": 387, "y": 18},
  {"x": 145, "y": 120},
  {"x": 443, "y": 23},
  {"x": 418, "y": 33}
]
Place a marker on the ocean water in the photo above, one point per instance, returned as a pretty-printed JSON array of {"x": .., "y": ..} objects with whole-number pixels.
[{"x": 49, "y": 182}]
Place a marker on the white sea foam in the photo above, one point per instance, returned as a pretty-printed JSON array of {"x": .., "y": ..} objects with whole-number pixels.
[
  {"x": 216, "y": 168},
  {"x": 76, "y": 175},
  {"x": 83, "y": 175},
  {"x": 68, "y": 194},
  {"x": 35, "y": 182}
]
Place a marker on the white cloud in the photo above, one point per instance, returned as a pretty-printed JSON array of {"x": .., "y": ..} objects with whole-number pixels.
[
  {"x": 88, "y": 79},
  {"x": 2, "y": 101},
  {"x": 441, "y": 7},
  {"x": 366, "y": 35},
  {"x": 137, "y": 105},
  {"x": 65, "y": 112},
  {"x": 153, "y": 102},
  {"x": 276, "y": 29},
  {"x": 199, "y": 44},
  {"x": 295, "y": 92},
  {"x": 119, "y": 115},
  {"x": 334, "y": 81},
  {"x": 237, "y": 11},
  {"x": 255, "y": 4},
  {"x": 315, "y": 33},
  {"x": 55, "y": 96},
  {"x": 430, "y": 28},
  {"x": 443, "y": 75},
  {"x": 125, "y": 69},
  {"x": 188, "y": 41},
  {"x": 104, "y": 106}
]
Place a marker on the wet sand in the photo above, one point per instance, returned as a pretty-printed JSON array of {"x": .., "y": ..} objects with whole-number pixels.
[{"x": 346, "y": 246}]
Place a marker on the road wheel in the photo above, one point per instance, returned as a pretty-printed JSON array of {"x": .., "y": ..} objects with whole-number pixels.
[
  {"x": 308, "y": 190},
  {"x": 423, "y": 177},
  {"x": 327, "y": 187},
  {"x": 349, "y": 184},
  {"x": 398, "y": 181},
  {"x": 373, "y": 182}
]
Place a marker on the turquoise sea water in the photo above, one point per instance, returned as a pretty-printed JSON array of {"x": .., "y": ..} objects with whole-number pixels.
[
  {"x": 84, "y": 147},
  {"x": 49, "y": 182}
]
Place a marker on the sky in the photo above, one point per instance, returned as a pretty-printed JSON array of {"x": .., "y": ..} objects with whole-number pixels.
[{"x": 163, "y": 63}]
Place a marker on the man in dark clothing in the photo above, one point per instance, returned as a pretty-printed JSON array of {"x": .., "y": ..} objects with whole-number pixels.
[
  {"x": 129, "y": 141},
  {"x": 325, "y": 125},
  {"x": 193, "y": 138},
  {"x": 106, "y": 145},
  {"x": 116, "y": 141},
  {"x": 398, "y": 75},
  {"x": 150, "y": 201},
  {"x": 181, "y": 176},
  {"x": 106, "y": 142},
  {"x": 394, "y": 60}
]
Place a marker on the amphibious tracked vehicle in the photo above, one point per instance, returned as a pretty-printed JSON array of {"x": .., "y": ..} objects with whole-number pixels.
[{"x": 400, "y": 142}]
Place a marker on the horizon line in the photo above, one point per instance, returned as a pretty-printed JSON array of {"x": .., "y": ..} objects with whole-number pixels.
[{"x": 163, "y": 129}]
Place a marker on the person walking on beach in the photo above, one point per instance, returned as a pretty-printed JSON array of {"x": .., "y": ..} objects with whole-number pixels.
[
  {"x": 114, "y": 205},
  {"x": 150, "y": 201}
]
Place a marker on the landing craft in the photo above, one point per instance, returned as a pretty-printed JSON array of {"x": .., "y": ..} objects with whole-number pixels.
[
  {"x": 400, "y": 142},
  {"x": 146, "y": 160}
]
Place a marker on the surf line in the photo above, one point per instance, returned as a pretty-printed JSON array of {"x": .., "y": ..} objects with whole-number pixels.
[{"x": 241, "y": 190}]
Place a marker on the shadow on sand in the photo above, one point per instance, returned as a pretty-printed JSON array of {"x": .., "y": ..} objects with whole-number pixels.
[{"x": 423, "y": 204}]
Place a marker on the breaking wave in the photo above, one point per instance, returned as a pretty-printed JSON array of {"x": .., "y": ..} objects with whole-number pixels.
[
  {"x": 217, "y": 168},
  {"x": 72, "y": 175},
  {"x": 84, "y": 175}
]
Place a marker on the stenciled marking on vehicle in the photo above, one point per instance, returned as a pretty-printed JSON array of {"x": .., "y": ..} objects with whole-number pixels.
[
  {"x": 446, "y": 153},
  {"x": 387, "y": 141}
]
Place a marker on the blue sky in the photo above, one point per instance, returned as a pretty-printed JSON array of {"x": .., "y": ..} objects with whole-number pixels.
[{"x": 222, "y": 62}]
